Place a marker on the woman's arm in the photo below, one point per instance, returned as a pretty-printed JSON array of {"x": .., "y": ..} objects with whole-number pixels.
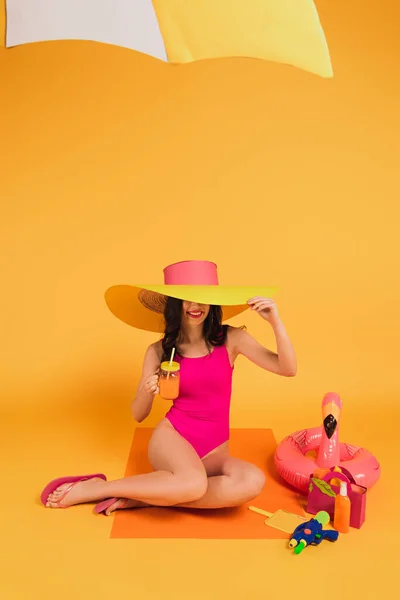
[
  {"x": 148, "y": 385},
  {"x": 283, "y": 361}
]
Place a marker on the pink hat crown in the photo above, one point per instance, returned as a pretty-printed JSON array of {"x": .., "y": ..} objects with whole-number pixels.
[
  {"x": 188, "y": 272},
  {"x": 191, "y": 272}
]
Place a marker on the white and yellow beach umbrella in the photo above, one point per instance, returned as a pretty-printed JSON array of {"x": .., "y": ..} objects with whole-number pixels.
[{"x": 180, "y": 31}]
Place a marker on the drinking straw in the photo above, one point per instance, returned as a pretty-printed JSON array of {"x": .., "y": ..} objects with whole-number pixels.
[
  {"x": 170, "y": 361},
  {"x": 172, "y": 356}
]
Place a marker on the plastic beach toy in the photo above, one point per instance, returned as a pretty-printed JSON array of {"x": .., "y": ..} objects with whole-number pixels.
[{"x": 295, "y": 465}]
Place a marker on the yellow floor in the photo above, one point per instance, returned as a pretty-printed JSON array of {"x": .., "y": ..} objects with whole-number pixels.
[{"x": 69, "y": 554}]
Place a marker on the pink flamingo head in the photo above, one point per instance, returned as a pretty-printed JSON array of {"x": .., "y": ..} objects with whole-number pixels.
[
  {"x": 329, "y": 448},
  {"x": 331, "y": 409}
]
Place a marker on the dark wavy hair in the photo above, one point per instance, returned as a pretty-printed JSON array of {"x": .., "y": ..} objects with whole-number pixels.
[{"x": 213, "y": 331}]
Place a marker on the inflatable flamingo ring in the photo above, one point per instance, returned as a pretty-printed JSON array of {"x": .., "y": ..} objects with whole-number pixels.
[{"x": 295, "y": 465}]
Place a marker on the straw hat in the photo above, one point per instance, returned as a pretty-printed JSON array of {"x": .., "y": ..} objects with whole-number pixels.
[{"x": 142, "y": 306}]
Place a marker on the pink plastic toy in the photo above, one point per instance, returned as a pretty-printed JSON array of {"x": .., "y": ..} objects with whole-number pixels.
[{"x": 295, "y": 467}]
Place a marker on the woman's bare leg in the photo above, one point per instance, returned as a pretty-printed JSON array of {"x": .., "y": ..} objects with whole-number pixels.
[
  {"x": 180, "y": 476},
  {"x": 231, "y": 482}
]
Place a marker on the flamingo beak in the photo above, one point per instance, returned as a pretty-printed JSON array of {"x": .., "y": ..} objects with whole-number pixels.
[
  {"x": 330, "y": 414},
  {"x": 330, "y": 425}
]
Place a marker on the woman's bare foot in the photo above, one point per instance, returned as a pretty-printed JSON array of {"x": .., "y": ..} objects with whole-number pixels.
[
  {"x": 81, "y": 492},
  {"x": 122, "y": 504}
]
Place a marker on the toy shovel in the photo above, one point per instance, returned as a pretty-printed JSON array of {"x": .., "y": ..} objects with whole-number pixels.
[{"x": 281, "y": 519}]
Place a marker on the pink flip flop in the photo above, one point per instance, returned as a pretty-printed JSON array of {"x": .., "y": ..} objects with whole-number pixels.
[
  {"x": 102, "y": 506},
  {"x": 53, "y": 485}
]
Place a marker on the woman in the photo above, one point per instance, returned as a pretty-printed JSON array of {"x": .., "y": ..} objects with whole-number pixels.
[{"x": 189, "y": 449}]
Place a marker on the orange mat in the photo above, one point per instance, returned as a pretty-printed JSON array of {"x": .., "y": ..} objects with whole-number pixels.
[{"x": 254, "y": 445}]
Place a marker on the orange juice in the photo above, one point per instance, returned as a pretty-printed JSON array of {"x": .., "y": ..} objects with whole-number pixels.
[{"x": 169, "y": 380}]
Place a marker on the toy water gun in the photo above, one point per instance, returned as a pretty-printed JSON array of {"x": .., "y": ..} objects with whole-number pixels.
[{"x": 312, "y": 532}]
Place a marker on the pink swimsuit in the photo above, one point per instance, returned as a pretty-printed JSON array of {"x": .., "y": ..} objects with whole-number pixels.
[{"x": 201, "y": 412}]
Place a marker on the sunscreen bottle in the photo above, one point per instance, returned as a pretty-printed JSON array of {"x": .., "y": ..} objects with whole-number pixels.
[{"x": 341, "y": 517}]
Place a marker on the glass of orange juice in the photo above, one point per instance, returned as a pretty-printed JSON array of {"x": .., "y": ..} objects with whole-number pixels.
[{"x": 169, "y": 380}]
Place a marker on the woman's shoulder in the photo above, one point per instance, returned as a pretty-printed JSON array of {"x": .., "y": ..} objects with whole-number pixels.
[
  {"x": 235, "y": 332},
  {"x": 155, "y": 350},
  {"x": 234, "y": 335}
]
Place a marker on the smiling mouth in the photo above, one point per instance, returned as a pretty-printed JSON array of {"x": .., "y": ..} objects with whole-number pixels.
[{"x": 195, "y": 314}]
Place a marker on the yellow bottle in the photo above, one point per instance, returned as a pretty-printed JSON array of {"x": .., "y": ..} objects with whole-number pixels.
[{"x": 341, "y": 517}]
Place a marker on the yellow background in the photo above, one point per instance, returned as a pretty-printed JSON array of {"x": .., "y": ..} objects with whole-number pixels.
[{"x": 114, "y": 165}]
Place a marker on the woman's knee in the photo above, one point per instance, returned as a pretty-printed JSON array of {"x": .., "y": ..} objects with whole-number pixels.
[
  {"x": 194, "y": 486},
  {"x": 254, "y": 482},
  {"x": 189, "y": 487}
]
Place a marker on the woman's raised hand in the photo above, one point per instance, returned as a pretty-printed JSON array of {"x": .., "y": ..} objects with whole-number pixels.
[{"x": 266, "y": 308}]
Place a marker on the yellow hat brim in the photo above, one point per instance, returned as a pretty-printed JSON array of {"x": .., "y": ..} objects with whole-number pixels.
[{"x": 123, "y": 301}]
